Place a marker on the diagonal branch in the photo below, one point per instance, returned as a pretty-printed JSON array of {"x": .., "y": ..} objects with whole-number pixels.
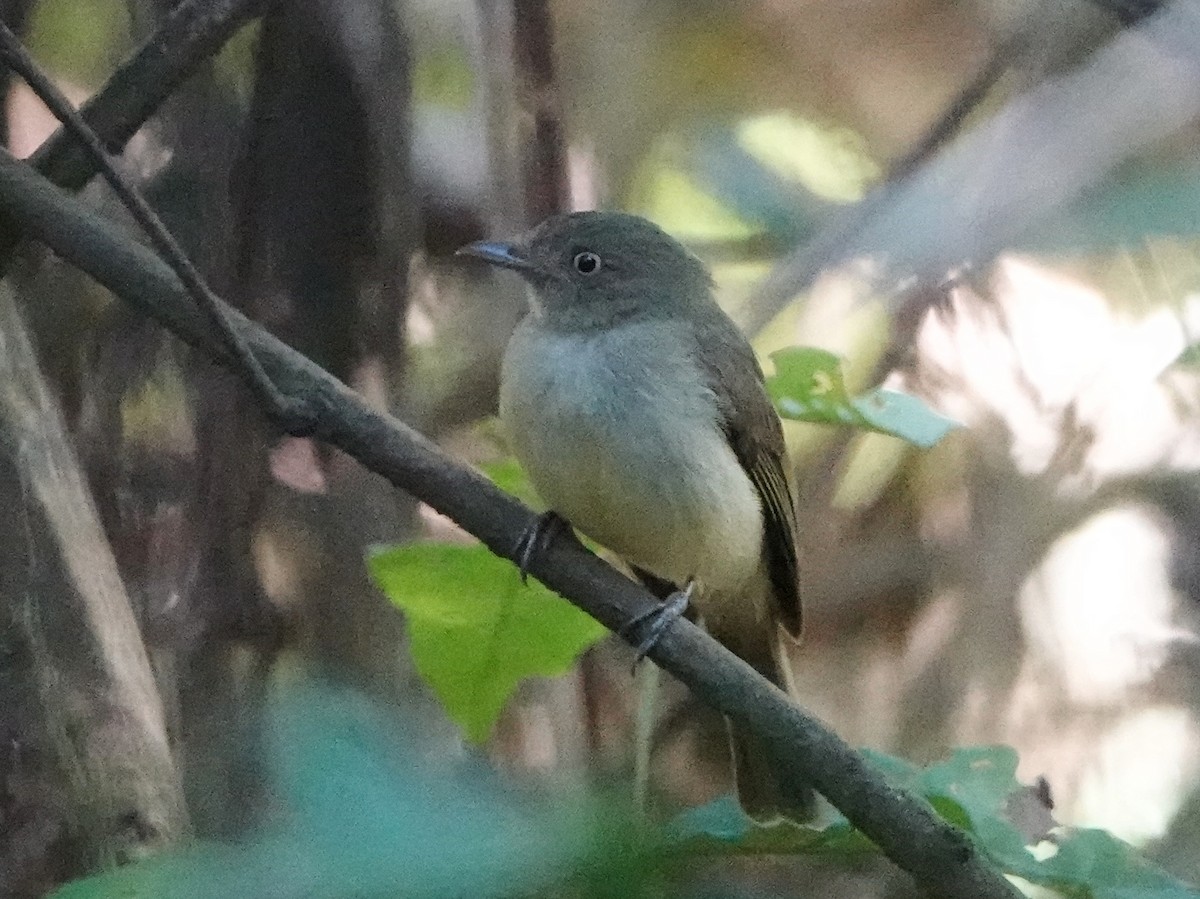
[
  {"x": 942, "y": 860},
  {"x": 289, "y": 412},
  {"x": 1037, "y": 154},
  {"x": 191, "y": 33}
]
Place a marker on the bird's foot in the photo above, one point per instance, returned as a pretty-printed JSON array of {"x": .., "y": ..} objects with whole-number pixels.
[
  {"x": 657, "y": 620},
  {"x": 537, "y": 538}
]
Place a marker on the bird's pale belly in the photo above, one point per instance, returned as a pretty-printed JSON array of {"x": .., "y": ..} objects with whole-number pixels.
[{"x": 656, "y": 483}]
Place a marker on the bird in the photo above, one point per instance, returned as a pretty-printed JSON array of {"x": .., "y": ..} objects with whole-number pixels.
[{"x": 640, "y": 414}]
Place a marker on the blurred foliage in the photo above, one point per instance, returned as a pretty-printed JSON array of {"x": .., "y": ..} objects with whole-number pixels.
[
  {"x": 362, "y": 815},
  {"x": 476, "y": 630},
  {"x": 664, "y": 191},
  {"x": 722, "y": 828},
  {"x": 974, "y": 789},
  {"x": 785, "y": 209},
  {"x": 774, "y": 179},
  {"x": 359, "y": 813},
  {"x": 1140, "y": 200},
  {"x": 808, "y": 385},
  {"x": 146, "y": 417},
  {"x": 235, "y": 63},
  {"x": 80, "y": 42},
  {"x": 831, "y": 162},
  {"x": 1190, "y": 357},
  {"x": 443, "y": 76}
]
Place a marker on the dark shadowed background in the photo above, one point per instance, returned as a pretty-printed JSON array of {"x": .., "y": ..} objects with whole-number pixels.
[{"x": 992, "y": 206}]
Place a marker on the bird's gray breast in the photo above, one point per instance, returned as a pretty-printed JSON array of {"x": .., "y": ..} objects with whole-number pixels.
[{"x": 619, "y": 433}]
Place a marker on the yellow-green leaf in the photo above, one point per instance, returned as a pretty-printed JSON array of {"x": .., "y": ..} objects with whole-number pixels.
[{"x": 476, "y": 631}]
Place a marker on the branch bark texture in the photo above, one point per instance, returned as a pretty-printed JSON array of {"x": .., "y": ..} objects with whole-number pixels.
[{"x": 940, "y": 858}]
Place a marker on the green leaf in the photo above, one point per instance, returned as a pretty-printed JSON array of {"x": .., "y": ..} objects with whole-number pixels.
[
  {"x": 808, "y": 385},
  {"x": 1091, "y": 863},
  {"x": 978, "y": 779},
  {"x": 509, "y": 476},
  {"x": 903, "y": 416},
  {"x": 971, "y": 790},
  {"x": 1105, "y": 867},
  {"x": 476, "y": 631}
]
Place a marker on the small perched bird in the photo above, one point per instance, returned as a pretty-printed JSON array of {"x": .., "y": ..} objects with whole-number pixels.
[{"x": 639, "y": 412}]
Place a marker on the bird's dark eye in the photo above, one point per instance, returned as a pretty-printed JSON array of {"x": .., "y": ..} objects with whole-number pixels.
[{"x": 586, "y": 263}]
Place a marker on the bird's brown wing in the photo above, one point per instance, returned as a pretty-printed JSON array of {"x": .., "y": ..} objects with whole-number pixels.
[{"x": 756, "y": 437}]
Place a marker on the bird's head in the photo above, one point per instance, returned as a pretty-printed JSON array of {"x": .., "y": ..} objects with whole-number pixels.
[{"x": 590, "y": 268}]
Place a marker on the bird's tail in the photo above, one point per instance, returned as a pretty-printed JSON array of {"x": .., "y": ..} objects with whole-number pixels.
[{"x": 766, "y": 789}]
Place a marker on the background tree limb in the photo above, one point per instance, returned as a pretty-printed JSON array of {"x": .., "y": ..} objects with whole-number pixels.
[{"x": 72, "y": 661}]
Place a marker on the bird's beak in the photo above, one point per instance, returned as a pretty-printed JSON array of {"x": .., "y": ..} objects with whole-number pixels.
[{"x": 504, "y": 255}]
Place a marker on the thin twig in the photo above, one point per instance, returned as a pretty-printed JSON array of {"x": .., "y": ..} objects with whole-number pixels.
[
  {"x": 964, "y": 103},
  {"x": 291, "y": 413},
  {"x": 942, "y": 860},
  {"x": 191, "y": 33},
  {"x": 876, "y": 223},
  {"x": 798, "y": 272}
]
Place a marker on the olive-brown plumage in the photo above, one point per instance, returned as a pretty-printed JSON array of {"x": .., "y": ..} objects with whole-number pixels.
[{"x": 640, "y": 414}]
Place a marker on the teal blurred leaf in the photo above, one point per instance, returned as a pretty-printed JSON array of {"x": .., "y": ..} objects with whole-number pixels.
[
  {"x": 1141, "y": 199},
  {"x": 364, "y": 814},
  {"x": 1096, "y": 864},
  {"x": 476, "y": 631},
  {"x": 971, "y": 789},
  {"x": 808, "y": 385},
  {"x": 788, "y": 212}
]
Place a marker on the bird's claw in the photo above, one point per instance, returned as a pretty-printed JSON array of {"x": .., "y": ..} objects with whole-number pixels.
[
  {"x": 536, "y": 538},
  {"x": 657, "y": 620}
]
